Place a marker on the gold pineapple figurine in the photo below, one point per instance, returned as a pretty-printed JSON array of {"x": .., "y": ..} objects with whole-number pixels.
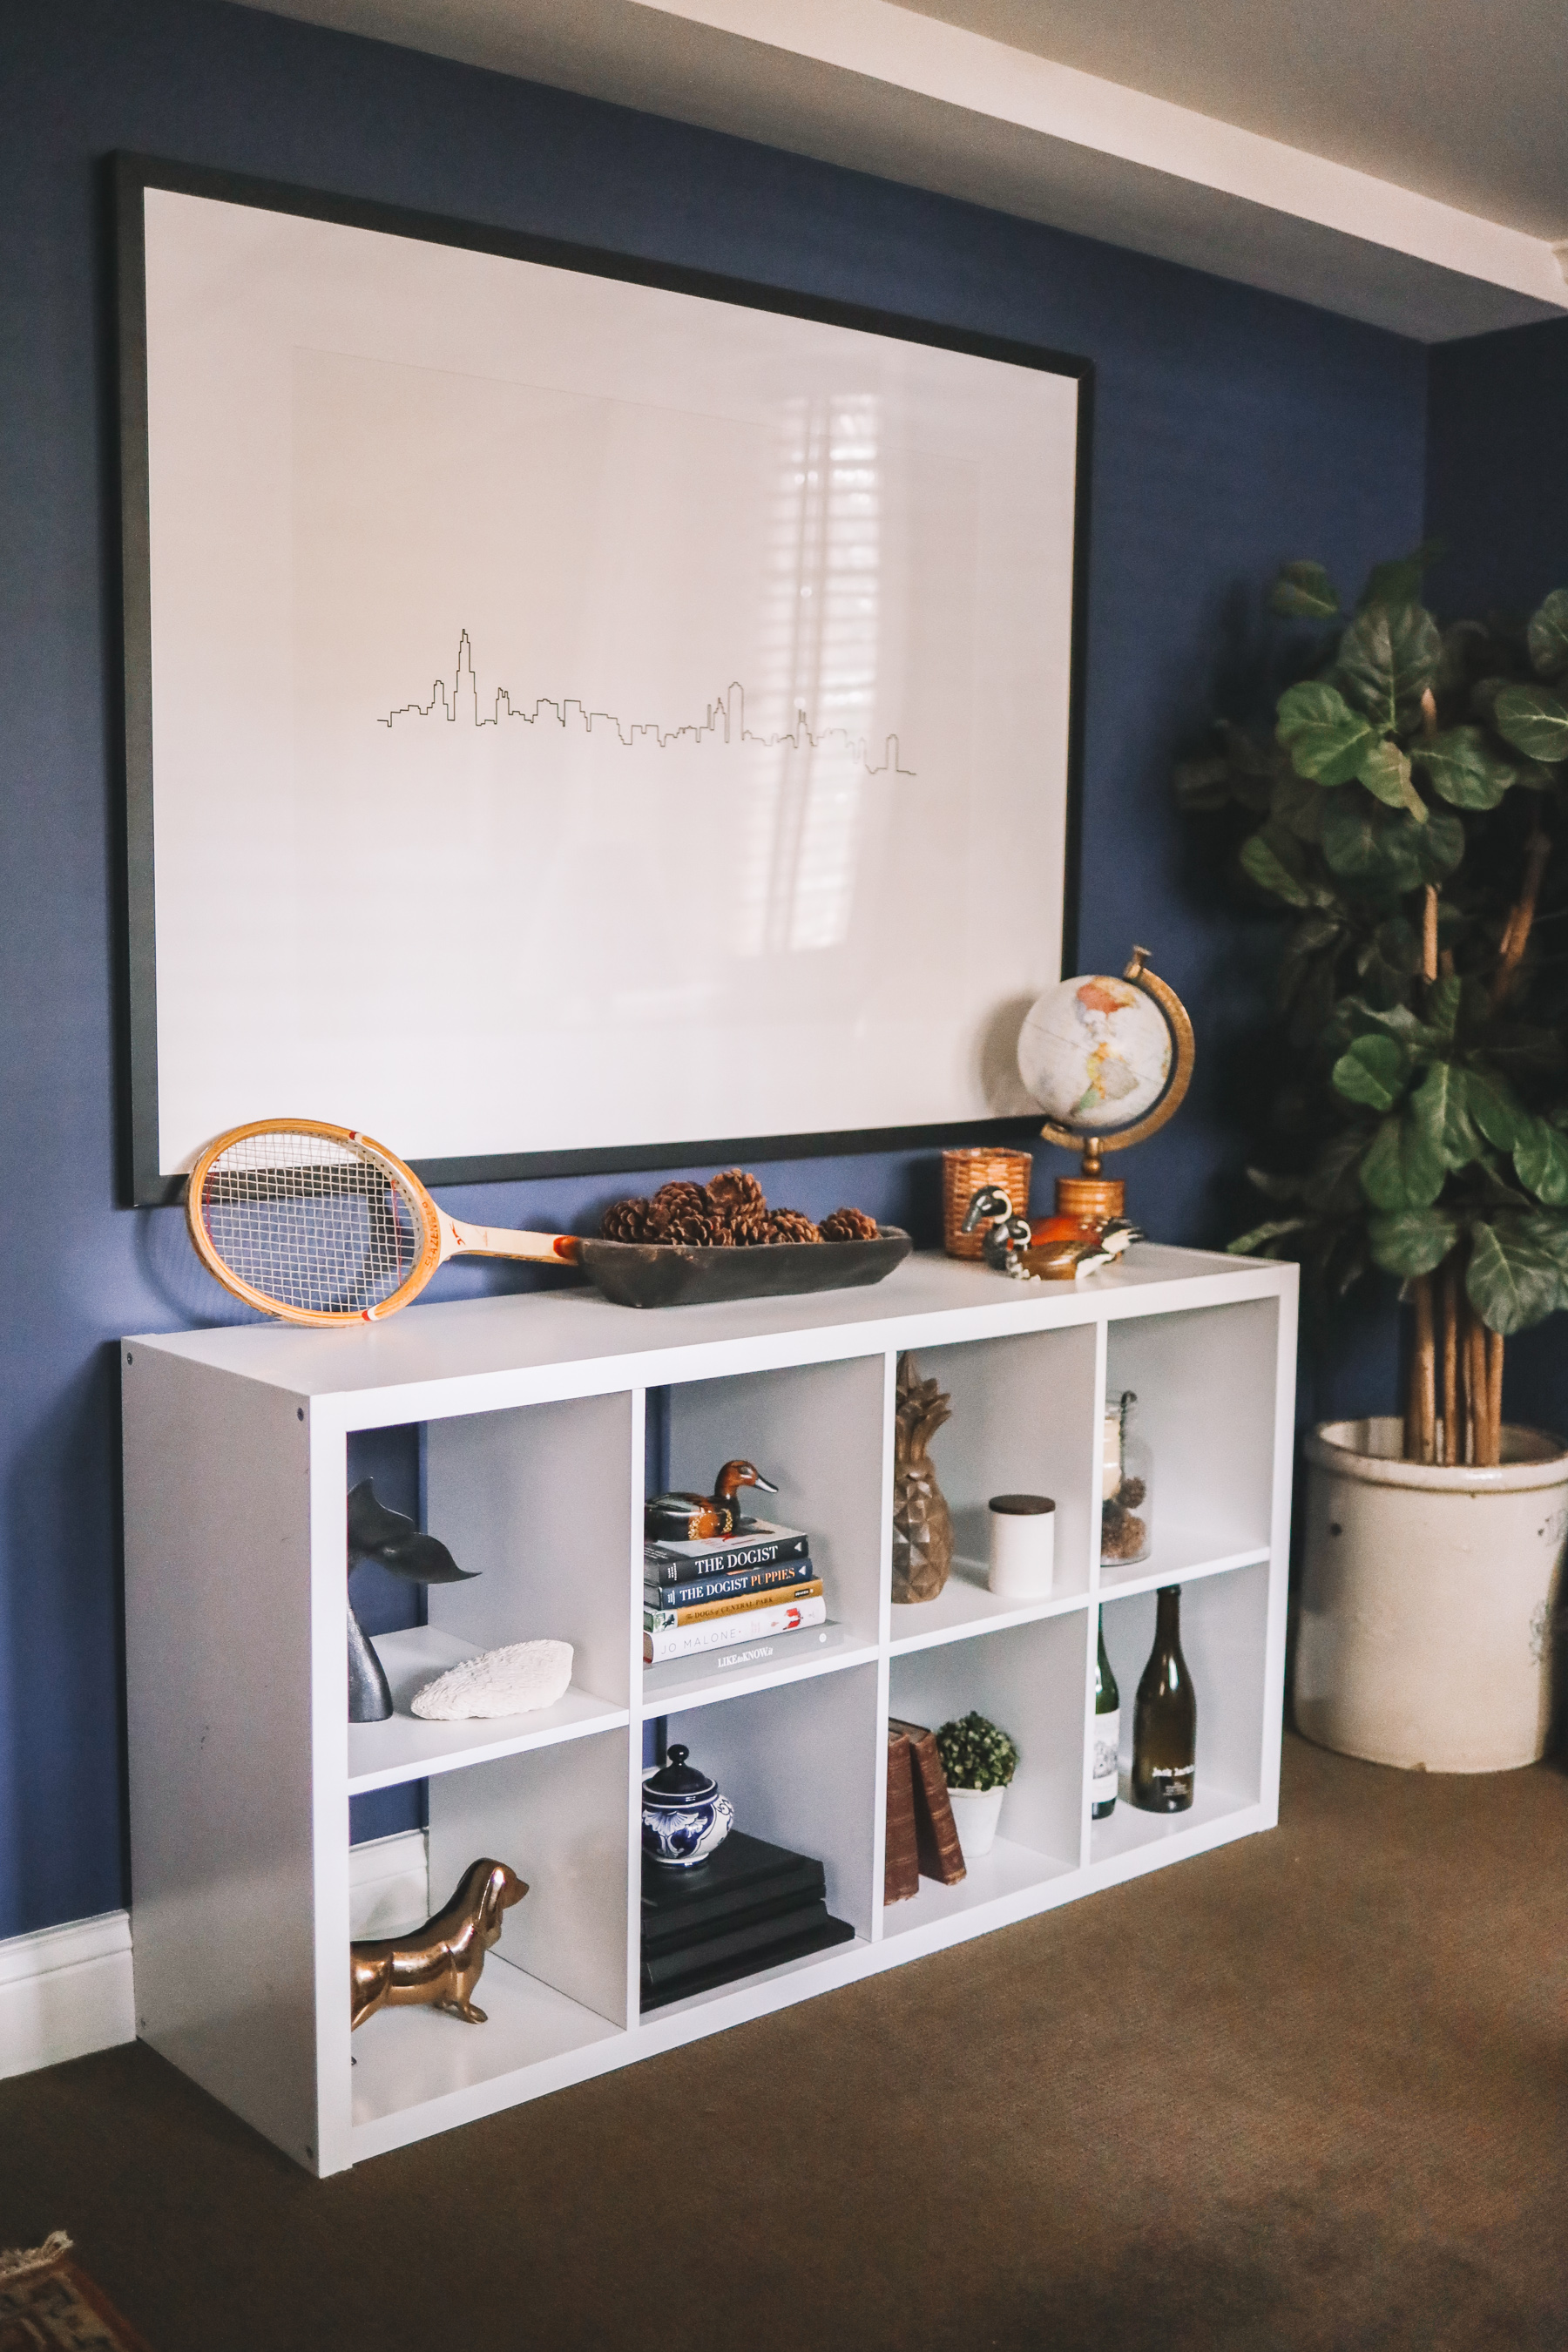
[{"x": 922, "y": 1523}]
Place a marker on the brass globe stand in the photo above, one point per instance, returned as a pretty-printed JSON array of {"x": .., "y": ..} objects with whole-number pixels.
[{"x": 1092, "y": 1198}]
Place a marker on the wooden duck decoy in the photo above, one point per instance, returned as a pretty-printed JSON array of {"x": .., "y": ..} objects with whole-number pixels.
[
  {"x": 682, "y": 1517},
  {"x": 1069, "y": 1256},
  {"x": 1007, "y": 1235}
]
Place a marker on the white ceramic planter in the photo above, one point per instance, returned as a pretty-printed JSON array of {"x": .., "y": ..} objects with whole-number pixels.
[
  {"x": 975, "y": 1814},
  {"x": 1428, "y": 1599}
]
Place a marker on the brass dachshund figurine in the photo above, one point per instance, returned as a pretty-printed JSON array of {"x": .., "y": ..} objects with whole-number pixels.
[{"x": 438, "y": 1966}]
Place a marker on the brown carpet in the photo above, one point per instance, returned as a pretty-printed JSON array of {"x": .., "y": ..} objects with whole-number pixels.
[{"x": 1308, "y": 2091}]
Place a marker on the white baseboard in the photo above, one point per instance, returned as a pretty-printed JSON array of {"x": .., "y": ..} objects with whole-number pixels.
[
  {"x": 67, "y": 1991},
  {"x": 389, "y": 1884},
  {"x": 64, "y": 1991}
]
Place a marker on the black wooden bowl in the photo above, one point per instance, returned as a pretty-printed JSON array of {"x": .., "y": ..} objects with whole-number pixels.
[{"x": 666, "y": 1274}]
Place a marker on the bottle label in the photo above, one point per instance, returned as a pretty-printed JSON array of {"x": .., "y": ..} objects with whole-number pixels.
[
  {"x": 1171, "y": 1779},
  {"x": 1102, "y": 1772}
]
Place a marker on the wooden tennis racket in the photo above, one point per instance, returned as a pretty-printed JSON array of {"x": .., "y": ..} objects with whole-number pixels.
[{"x": 320, "y": 1225}]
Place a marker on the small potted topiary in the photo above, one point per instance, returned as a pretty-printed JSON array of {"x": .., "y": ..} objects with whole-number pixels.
[{"x": 978, "y": 1761}]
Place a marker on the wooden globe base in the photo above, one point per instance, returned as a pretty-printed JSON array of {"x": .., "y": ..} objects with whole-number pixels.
[{"x": 1091, "y": 1200}]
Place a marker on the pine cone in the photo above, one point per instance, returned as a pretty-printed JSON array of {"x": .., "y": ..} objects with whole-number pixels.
[
  {"x": 791, "y": 1225},
  {"x": 849, "y": 1225},
  {"x": 625, "y": 1221},
  {"x": 680, "y": 1199},
  {"x": 737, "y": 1193},
  {"x": 695, "y": 1230},
  {"x": 749, "y": 1228}
]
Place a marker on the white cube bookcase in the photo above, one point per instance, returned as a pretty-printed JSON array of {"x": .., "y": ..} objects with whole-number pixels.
[{"x": 534, "y": 1411}]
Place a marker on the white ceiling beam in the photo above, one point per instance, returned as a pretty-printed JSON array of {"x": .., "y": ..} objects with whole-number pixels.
[
  {"x": 914, "y": 99},
  {"x": 881, "y": 42}
]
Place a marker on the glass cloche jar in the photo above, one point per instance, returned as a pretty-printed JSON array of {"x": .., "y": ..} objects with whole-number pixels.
[{"x": 1127, "y": 1486}]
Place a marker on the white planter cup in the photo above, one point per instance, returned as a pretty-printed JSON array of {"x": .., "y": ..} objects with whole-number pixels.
[
  {"x": 1428, "y": 1600},
  {"x": 975, "y": 1814}
]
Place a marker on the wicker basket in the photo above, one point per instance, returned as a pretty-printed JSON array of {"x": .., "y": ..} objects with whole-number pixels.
[{"x": 963, "y": 1174}]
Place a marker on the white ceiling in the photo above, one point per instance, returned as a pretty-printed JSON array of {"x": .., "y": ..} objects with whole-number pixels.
[
  {"x": 1466, "y": 100},
  {"x": 1403, "y": 162}
]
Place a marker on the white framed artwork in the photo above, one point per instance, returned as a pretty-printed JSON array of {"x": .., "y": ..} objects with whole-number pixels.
[{"x": 579, "y": 714}]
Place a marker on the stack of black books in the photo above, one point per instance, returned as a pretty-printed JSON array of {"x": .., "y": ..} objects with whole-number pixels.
[{"x": 749, "y": 1906}]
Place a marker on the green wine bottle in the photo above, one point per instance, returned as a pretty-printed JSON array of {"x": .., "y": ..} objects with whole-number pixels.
[
  {"x": 1165, "y": 1718},
  {"x": 1107, "y": 1737}
]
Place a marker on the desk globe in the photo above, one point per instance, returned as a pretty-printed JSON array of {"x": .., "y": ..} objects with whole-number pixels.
[{"x": 1108, "y": 1061}]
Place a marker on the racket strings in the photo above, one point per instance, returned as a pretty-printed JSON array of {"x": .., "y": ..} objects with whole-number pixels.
[{"x": 311, "y": 1222}]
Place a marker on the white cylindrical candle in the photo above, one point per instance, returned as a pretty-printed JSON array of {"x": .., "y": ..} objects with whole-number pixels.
[{"x": 1023, "y": 1546}]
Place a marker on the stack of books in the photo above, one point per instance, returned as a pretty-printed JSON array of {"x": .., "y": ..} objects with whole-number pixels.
[
  {"x": 748, "y": 1906},
  {"x": 722, "y": 1589}
]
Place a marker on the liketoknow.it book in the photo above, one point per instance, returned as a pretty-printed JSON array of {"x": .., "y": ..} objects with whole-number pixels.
[
  {"x": 782, "y": 1577},
  {"x": 659, "y": 1620},
  {"x": 759, "y": 1545},
  {"x": 717, "y": 1632}
]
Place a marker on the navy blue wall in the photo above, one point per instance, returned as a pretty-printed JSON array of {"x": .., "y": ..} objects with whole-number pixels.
[
  {"x": 1497, "y": 492},
  {"x": 1233, "y": 430}
]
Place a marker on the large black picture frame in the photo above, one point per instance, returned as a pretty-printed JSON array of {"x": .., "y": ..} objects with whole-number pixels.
[{"x": 144, "y": 1182}]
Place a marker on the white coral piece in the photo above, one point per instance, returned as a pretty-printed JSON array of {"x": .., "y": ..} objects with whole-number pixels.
[{"x": 513, "y": 1681}]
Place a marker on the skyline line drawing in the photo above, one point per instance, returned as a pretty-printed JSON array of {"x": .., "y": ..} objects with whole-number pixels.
[{"x": 725, "y": 718}]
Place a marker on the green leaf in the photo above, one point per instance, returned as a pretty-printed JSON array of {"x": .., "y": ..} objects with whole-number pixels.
[
  {"x": 1389, "y": 961},
  {"x": 1275, "y": 1187},
  {"x": 1439, "y": 846},
  {"x": 1259, "y": 1241},
  {"x": 1547, "y": 636},
  {"x": 1497, "y": 1109},
  {"x": 1401, "y": 1170},
  {"x": 1203, "y": 783},
  {"x": 1541, "y": 1156},
  {"x": 1412, "y": 1240},
  {"x": 1386, "y": 850},
  {"x": 1534, "y": 721},
  {"x": 1463, "y": 769},
  {"x": 1441, "y": 1106},
  {"x": 1333, "y": 1187},
  {"x": 1304, "y": 592},
  {"x": 1262, "y": 864},
  {"x": 1295, "y": 803},
  {"x": 1399, "y": 582},
  {"x": 1328, "y": 740},
  {"x": 1387, "y": 658},
  {"x": 1514, "y": 1277},
  {"x": 1385, "y": 772},
  {"x": 1374, "y": 1071},
  {"x": 1443, "y": 1000}
]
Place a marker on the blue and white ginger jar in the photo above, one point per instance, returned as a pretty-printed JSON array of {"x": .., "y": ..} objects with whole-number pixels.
[{"x": 684, "y": 1818}]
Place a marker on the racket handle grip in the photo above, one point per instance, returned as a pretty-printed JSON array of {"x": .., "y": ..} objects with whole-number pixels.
[{"x": 495, "y": 1241}]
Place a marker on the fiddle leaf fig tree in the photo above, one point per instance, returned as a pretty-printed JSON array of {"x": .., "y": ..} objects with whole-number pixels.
[{"x": 1403, "y": 815}]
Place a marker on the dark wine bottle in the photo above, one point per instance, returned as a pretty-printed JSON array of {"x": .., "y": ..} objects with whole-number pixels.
[
  {"x": 1107, "y": 1737},
  {"x": 1165, "y": 1718}
]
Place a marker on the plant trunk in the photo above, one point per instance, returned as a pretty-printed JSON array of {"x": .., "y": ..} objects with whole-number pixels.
[{"x": 1453, "y": 1411}]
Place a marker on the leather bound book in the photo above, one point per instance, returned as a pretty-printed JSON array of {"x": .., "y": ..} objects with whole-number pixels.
[
  {"x": 901, "y": 1868},
  {"x": 936, "y": 1832}
]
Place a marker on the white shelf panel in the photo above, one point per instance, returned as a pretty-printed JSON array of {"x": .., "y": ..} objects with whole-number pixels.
[
  {"x": 966, "y": 1605},
  {"x": 1008, "y": 1869},
  {"x": 412, "y": 2058},
  {"x": 1128, "y": 1831},
  {"x": 681, "y": 1683},
  {"x": 405, "y": 1748},
  {"x": 1181, "y": 1555}
]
